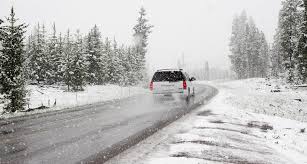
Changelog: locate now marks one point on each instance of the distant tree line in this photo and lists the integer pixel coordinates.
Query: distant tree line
(205, 72)
(201, 73)
(249, 49)
(73, 59)
(289, 50)
(211, 74)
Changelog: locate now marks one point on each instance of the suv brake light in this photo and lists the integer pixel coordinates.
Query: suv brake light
(151, 85)
(184, 84)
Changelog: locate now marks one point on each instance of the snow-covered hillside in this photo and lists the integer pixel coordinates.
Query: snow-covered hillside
(57, 98)
(235, 127)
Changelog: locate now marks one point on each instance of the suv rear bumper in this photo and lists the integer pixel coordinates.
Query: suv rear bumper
(181, 93)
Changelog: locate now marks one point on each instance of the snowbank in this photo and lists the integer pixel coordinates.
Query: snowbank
(57, 98)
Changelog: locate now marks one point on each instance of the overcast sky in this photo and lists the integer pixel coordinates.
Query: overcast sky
(198, 28)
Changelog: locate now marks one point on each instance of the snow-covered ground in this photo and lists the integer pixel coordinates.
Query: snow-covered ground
(237, 126)
(57, 98)
(262, 96)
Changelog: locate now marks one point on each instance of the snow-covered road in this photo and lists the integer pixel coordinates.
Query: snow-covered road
(225, 131)
(91, 133)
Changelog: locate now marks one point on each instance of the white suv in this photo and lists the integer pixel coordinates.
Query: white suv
(172, 81)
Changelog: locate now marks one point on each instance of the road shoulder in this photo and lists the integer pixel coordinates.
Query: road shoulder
(221, 133)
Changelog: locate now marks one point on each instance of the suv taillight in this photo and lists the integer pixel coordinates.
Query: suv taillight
(184, 84)
(151, 85)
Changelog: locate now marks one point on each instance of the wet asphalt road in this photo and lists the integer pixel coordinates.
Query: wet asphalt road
(92, 133)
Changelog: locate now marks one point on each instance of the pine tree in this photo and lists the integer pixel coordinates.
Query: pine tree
(78, 64)
(54, 57)
(254, 43)
(289, 19)
(129, 66)
(39, 59)
(94, 57)
(12, 62)
(68, 54)
(28, 51)
(122, 60)
(125, 66)
(276, 56)
(141, 33)
(108, 58)
(302, 47)
(249, 49)
(60, 60)
(263, 63)
(46, 56)
(34, 58)
(238, 46)
(116, 67)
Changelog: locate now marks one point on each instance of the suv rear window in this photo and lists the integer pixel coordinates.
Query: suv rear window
(172, 76)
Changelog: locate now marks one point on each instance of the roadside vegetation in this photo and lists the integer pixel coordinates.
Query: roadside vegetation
(72, 59)
(286, 58)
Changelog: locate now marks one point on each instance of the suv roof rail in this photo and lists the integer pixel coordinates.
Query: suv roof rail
(170, 69)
